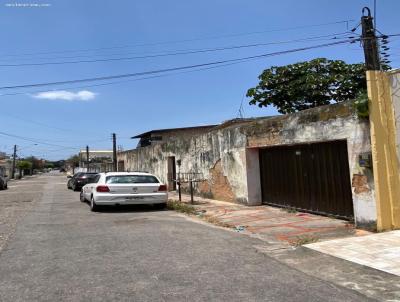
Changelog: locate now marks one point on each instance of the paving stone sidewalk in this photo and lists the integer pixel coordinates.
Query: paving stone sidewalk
(272, 224)
(380, 251)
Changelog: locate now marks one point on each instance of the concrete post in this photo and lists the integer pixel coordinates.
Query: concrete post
(383, 143)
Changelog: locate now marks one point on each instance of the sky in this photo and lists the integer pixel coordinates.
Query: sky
(54, 122)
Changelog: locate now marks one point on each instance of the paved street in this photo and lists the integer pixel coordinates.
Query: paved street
(60, 251)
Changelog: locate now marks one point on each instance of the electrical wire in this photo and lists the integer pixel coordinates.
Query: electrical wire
(185, 40)
(128, 75)
(177, 53)
(34, 140)
(119, 82)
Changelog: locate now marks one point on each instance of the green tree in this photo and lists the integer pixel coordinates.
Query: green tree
(37, 164)
(23, 165)
(73, 161)
(308, 84)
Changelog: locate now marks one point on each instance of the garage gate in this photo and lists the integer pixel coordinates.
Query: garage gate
(312, 177)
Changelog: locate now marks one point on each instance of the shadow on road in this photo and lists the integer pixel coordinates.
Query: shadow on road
(131, 208)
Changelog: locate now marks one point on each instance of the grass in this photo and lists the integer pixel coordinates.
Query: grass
(188, 209)
(289, 210)
(214, 220)
(301, 240)
(181, 207)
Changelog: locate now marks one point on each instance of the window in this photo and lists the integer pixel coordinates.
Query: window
(93, 178)
(131, 179)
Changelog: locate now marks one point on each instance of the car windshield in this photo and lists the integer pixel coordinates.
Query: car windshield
(131, 179)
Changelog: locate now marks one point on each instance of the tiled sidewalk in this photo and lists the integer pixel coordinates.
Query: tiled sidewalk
(380, 251)
(273, 224)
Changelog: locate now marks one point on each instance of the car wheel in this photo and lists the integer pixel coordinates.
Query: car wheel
(82, 197)
(93, 206)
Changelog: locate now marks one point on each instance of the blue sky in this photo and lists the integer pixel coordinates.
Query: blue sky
(73, 116)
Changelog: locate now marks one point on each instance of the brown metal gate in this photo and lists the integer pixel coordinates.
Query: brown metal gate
(313, 177)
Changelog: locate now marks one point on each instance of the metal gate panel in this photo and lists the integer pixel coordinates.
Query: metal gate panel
(312, 177)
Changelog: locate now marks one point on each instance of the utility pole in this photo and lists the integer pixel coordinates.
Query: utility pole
(13, 164)
(369, 42)
(87, 158)
(114, 138)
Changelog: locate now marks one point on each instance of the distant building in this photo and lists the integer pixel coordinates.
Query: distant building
(99, 161)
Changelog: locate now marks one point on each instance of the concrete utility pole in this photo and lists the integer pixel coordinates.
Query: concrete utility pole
(114, 138)
(87, 158)
(369, 41)
(383, 129)
(13, 164)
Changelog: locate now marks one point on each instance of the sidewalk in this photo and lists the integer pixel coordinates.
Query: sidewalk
(380, 251)
(272, 224)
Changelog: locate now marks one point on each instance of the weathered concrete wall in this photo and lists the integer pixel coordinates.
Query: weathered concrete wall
(326, 123)
(218, 155)
(227, 156)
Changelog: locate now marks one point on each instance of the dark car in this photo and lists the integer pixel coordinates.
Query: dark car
(3, 182)
(80, 179)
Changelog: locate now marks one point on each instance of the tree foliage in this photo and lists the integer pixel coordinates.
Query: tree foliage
(24, 165)
(37, 163)
(308, 84)
(74, 160)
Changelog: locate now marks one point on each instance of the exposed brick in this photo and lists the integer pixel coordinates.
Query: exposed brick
(360, 184)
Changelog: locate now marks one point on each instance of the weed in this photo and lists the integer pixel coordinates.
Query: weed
(290, 210)
(301, 240)
(190, 210)
(181, 207)
(214, 220)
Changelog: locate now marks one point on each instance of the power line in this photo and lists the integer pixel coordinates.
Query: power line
(185, 40)
(35, 122)
(34, 140)
(128, 75)
(177, 53)
(120, 82)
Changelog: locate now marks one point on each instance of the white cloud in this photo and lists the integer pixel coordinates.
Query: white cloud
(83, 95)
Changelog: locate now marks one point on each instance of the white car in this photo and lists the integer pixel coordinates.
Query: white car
(122, 188)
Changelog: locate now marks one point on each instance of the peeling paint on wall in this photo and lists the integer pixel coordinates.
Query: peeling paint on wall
(220, 154)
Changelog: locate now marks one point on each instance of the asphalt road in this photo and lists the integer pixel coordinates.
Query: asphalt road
(61, 251)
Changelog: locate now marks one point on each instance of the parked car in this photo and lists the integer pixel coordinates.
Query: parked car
(3, 182)
(80, 179)
(122, 188)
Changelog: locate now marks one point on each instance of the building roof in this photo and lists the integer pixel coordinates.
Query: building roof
(148, 133)
(96, 151)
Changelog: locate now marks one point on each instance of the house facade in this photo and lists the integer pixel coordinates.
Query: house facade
(317, 160)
